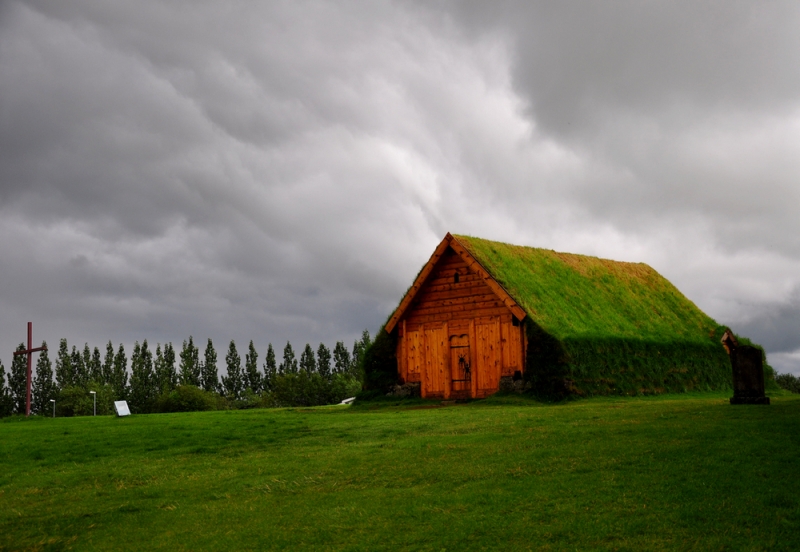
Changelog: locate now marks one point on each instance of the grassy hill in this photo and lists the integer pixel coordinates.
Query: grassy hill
(656, 473)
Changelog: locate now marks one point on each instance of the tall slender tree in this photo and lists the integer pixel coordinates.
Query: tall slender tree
(233, 382)
(81, 378)
(165, 375)
(210, 378)
(142, 392)
(341, 358)
(136, 389)
(270, 368)
(96, 367)
(119, 375)
(251, 373)
(170, 375)
(18, 380)
(6, 402)
(87, 361)
(44, 387)
(65, 374)
(147, 361)
(190, 364)
(324, 361)
(107, 370)
(289, 364)
(357, 361)
(158, 370)
(307, 360)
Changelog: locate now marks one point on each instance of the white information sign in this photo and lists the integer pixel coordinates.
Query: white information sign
(122, 408)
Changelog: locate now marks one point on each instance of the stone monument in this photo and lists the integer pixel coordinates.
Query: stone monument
(748, 371)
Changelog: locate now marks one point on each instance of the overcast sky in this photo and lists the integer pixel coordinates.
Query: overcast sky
(281, 170)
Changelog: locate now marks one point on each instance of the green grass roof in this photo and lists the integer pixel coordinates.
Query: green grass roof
(579, 296)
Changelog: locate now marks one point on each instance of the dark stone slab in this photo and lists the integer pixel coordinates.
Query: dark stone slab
(748, 376)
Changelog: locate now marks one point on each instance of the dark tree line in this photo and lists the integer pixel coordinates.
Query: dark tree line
(156, 375)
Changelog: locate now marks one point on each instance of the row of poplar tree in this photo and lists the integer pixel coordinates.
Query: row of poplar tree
(155, 374)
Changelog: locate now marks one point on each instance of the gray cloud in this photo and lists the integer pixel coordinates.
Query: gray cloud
(280, 171)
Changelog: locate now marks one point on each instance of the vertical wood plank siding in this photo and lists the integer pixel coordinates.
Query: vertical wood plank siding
(469, 309)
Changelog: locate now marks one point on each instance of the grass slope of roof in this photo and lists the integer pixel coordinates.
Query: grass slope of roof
(570, 295)
(601, 327)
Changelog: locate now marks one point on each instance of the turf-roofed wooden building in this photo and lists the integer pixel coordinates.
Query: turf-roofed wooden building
(480, 311)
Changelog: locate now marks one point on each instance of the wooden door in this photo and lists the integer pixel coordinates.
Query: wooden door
(460, 367)
(434, 363)
(489, 357)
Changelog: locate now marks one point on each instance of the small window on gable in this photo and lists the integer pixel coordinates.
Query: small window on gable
(514, 321)
(455, 278)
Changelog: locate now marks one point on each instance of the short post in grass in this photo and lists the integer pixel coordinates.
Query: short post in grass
(94, 396)
(54, 407)
(748, 371)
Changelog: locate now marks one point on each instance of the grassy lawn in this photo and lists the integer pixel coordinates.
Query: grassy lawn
(687, 472)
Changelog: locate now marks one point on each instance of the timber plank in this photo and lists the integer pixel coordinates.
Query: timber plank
(445, 357)
(457, 327)
(454, 294)
(402, 353)
(489, 357)
(459, 301)
(416, 321)
(463, 307)
(440, 281)
(474, 284)
(473, 358)
(451, 260)
(413, 355)
(448, 272)
(433, 364)
(505, 351)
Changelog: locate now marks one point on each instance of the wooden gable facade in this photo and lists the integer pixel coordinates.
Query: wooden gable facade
(458, 330)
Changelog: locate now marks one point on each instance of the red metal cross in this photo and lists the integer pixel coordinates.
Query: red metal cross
(29, 352)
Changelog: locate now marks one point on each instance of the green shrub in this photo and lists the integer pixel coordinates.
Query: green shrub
(370, 395)
(186, 398)
(304, 389)
(78, 401)
(380, 362)
(790, 382)
(248, 399)
(73, 401)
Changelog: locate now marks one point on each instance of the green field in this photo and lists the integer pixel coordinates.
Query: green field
(687, 472)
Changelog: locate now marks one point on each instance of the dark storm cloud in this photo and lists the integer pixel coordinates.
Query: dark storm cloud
(575, 57)
(281, 170)
(201, 169)
(680, 107)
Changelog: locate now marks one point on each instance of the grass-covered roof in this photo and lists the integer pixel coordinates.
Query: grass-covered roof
(577, 296)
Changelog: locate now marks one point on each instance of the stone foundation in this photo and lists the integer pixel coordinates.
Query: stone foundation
(509, 384)
(410, 390)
